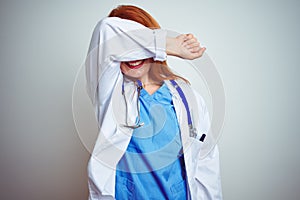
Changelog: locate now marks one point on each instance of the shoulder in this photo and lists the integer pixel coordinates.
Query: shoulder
(191, 93)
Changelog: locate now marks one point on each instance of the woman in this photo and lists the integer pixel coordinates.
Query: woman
(152, 124)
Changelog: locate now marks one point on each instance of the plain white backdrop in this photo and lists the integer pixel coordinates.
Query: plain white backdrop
(254, 44)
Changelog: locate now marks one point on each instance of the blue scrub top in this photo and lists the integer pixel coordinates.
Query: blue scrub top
(153, 165)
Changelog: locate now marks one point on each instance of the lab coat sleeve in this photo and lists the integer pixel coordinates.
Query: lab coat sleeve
(208, 168)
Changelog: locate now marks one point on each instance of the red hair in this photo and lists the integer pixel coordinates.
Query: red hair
(160, 72)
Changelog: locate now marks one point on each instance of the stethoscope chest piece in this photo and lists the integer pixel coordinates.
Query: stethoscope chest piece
(193, 131)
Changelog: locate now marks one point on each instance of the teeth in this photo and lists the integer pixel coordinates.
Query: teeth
(135, 63)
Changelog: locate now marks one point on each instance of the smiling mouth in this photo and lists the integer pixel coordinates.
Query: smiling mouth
(135, 64)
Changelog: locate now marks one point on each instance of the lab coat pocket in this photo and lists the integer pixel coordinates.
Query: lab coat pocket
(177, 191)
(125, 189)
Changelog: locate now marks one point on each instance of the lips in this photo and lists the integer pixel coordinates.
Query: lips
(135, 64)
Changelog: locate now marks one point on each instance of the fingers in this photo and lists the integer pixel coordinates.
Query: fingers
(190, 41)
(189, 46)
(193, 46)
(182, 37)
(186, 39)
(195, 49)
(189, 36)
(199, 53)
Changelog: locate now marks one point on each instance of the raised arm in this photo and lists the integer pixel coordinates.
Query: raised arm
(144, 42)
(115, 40)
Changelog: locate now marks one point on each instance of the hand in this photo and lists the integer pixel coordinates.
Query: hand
(184, 46)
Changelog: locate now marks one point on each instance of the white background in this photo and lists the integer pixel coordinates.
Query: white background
(255, 47)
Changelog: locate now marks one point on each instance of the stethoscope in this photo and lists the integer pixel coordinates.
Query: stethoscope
(138, 122)
(192, 130)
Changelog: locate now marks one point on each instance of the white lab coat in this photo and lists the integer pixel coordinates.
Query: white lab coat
(115, 40)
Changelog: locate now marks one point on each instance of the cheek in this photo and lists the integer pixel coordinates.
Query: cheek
(129, 72)
(124, 68)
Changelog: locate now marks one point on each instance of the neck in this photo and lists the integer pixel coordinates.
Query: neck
(151, 86)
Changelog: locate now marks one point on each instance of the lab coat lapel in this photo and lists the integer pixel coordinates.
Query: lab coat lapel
(184, 130)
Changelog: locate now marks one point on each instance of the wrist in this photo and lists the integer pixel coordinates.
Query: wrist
(171, 47)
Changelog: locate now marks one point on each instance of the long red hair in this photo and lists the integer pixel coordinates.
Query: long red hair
(161, 71)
